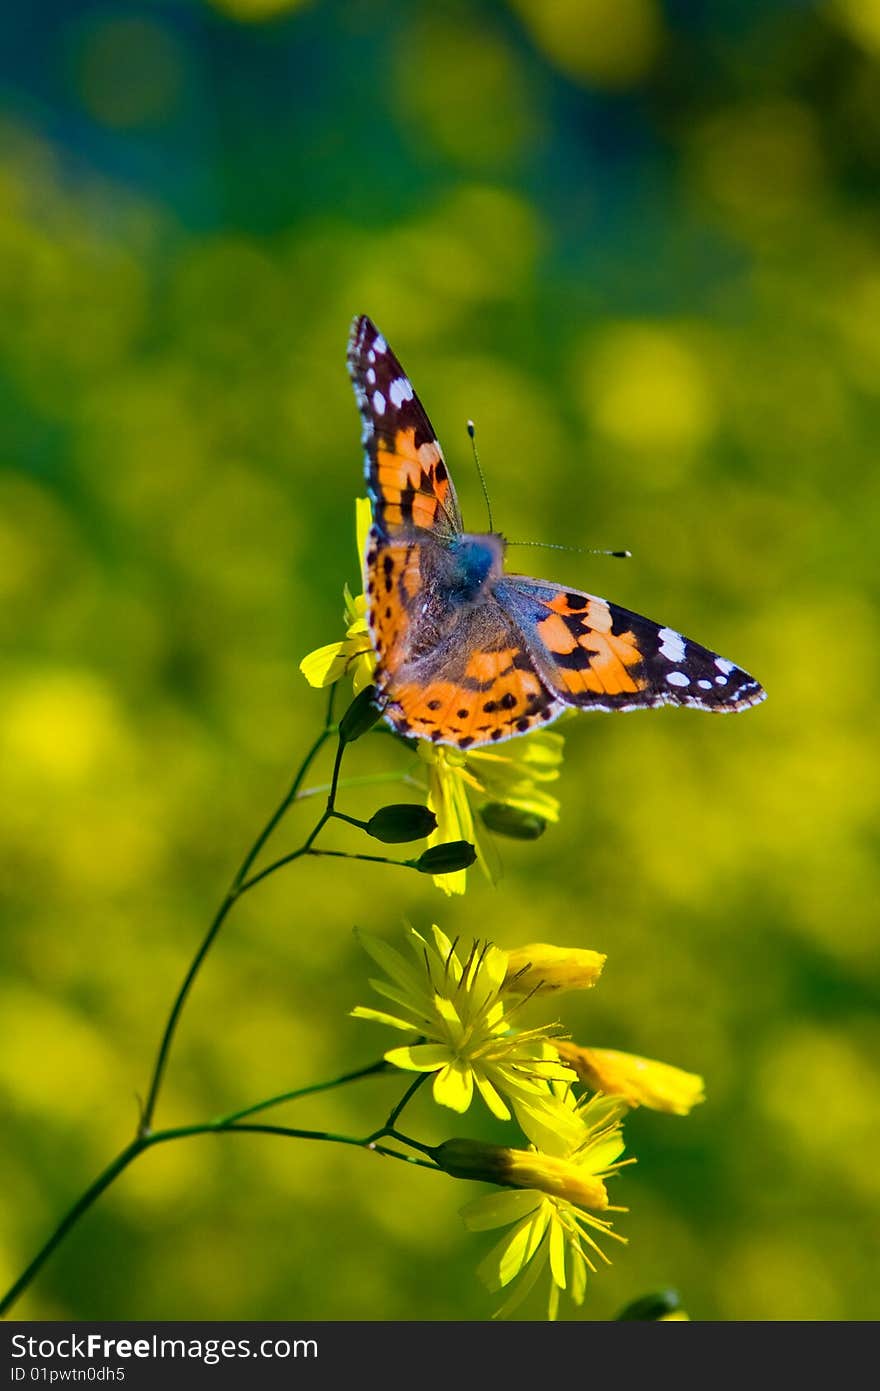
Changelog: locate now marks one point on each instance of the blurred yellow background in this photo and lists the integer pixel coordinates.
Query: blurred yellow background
(636, 242)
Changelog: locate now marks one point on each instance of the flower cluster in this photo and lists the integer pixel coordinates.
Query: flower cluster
(463, 1010)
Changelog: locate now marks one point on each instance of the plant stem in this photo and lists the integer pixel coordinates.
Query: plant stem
(235, 1116)
(146, 1137)
(361, 780)
(235, 890)
(82, 1205)
(221, 1127)
(371, 859)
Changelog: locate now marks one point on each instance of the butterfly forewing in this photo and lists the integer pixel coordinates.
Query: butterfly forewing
(407, 478)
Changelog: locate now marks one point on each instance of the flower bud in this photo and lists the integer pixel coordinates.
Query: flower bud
(475, 1159)
(511, 821)
(446, 858)
(663, 1305)
(559, 1178)
(400, 822)
(637, 1081)
(541, 969)
(360, 716)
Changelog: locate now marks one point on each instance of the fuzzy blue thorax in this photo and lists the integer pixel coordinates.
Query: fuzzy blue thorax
(472, 560)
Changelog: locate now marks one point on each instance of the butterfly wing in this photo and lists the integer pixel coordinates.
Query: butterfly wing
(415, 517)
(595, 655)
(464, 679)
(407, 478)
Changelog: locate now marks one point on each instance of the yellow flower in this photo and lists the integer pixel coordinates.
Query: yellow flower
(507, 775)
(560, 1185)
(636, 1081)
(354, 655)
(541, 969)
(462, 1022)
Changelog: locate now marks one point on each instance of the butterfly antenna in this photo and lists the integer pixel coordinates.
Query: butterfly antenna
(473, 434)
(579, 550)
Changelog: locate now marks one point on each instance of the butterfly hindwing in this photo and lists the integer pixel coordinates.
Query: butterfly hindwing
(474, 682)
(407, 478)
(596, 655)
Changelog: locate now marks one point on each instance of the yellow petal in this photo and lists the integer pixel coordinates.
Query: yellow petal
(505, 1261)
(557, 1254)
(363, 670)
(578, 1285)
(326, 664)
(454, 1087)
(491, 1097)
(378, 1016)
(421, 1057)
(638, 1081)
(499, 1209)
(549, 1123)
(363, 520)
(392, 961)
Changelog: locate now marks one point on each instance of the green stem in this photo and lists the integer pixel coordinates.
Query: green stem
(388, 1127)
(429, 1150)
(146, 1138)
(235, 1116)
(161, 1137)
(361, 780)
(372, 859)
(235, 890)
(350, 820)
(82, 1205)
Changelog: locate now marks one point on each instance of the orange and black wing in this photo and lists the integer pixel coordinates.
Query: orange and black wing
(467, 681)
(595, 655)
(407, 478)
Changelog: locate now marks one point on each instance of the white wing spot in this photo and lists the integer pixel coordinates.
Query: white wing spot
(371, 356)
(705, 685)
(379, 345)
(401, 391)
(671, 645)
(678, 678)
(371, 375)
(378, 403)
(724, 666)
(720, 680)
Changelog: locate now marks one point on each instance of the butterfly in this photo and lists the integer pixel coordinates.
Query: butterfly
(467, 654)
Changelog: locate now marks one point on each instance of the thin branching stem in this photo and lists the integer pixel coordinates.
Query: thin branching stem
(227, 1126)
(235, 1123)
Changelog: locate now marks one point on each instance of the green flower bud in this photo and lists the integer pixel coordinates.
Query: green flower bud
(474, 1159)
(652, 1307)
(512, 1168)
(360, 716)
(446, 859)
(400, 822)
(512, 821)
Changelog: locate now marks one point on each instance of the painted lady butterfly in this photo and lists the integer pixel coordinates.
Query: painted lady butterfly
(466, 653)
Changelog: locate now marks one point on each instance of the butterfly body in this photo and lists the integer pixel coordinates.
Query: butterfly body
(467, 653)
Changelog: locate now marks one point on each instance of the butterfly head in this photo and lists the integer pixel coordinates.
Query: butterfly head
(474, 561)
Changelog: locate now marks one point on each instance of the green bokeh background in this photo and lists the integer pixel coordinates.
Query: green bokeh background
(637, 241)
